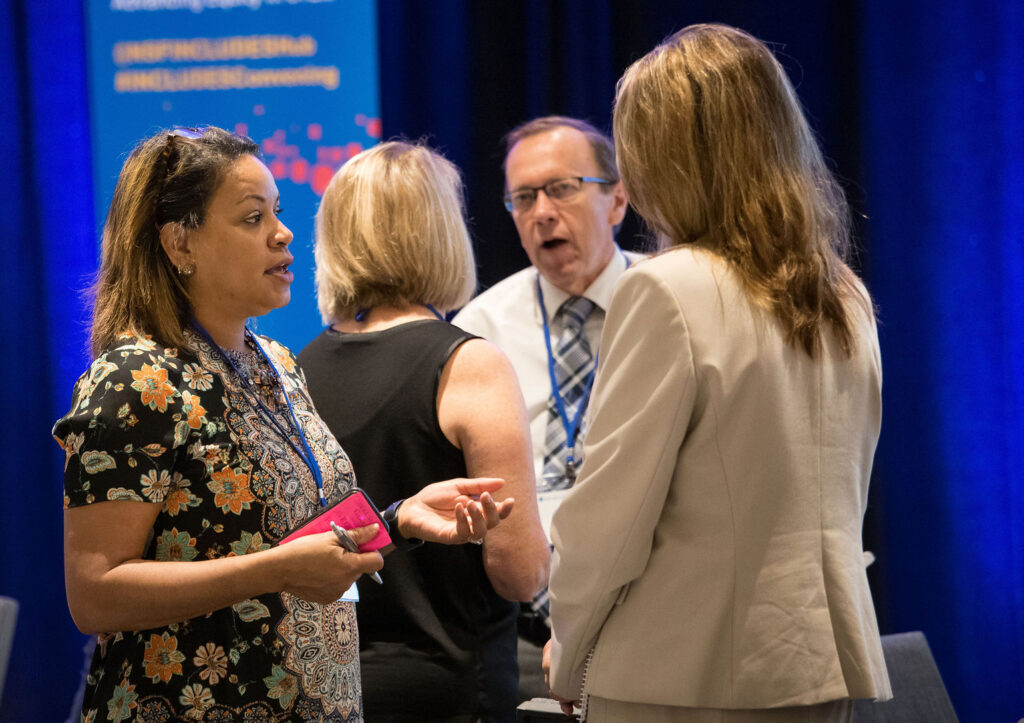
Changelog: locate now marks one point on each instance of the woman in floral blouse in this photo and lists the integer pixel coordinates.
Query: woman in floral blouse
(192, 448)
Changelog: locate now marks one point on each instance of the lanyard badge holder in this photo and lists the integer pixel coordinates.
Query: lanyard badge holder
(573, 461)
(301, 447)
(571, 426)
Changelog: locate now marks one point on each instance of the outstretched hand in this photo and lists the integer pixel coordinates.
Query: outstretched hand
(454, 511)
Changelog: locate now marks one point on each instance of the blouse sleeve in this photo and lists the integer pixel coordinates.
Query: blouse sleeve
(131, 413)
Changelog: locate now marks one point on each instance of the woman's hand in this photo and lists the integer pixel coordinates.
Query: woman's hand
(545, 664)
(110, 587)
(454, 511)
(318, 569)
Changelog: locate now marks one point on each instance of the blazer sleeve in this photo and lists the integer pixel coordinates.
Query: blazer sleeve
(604, 530)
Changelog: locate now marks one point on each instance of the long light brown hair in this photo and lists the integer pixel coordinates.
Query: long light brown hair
(715, 152)
(169, 178)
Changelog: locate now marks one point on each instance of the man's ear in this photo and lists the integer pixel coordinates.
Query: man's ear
(174, 240)
(620, 202)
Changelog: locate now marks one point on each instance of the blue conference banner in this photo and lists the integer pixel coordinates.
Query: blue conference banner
(297, 76)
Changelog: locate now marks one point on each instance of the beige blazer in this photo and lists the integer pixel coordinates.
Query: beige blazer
(710, 554)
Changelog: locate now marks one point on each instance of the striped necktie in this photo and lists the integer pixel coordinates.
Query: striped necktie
(573, 365)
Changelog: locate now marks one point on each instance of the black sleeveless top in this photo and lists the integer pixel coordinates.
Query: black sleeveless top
(436, 642)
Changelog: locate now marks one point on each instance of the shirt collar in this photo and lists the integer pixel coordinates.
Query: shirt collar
(600, 291)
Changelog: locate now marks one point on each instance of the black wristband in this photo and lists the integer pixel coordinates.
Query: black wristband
(390, 516)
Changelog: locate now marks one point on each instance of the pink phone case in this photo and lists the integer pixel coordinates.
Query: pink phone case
(353, 510)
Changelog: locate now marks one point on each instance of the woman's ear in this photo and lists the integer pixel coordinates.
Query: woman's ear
(174, 240)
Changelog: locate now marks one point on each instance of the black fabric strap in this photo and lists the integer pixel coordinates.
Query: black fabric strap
(390, 516)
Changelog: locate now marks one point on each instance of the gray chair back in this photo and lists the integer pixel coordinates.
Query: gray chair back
(8, 616)
(918, 693)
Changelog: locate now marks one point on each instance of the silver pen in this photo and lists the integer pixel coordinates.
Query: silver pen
(349, 544)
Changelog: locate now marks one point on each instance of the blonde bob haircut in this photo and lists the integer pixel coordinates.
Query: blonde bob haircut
(715, 152)
(390, 232)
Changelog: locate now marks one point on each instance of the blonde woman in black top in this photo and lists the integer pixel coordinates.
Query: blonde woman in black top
(413, 399)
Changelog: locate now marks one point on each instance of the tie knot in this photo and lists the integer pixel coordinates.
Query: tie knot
(574, 311)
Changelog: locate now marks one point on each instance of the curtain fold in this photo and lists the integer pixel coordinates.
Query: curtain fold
(944, 153)
(50, 253)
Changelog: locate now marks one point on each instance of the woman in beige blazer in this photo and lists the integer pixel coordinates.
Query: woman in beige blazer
(708, 564)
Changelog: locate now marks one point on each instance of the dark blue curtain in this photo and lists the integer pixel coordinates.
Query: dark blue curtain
(462, 74)
(944, 135)
(921, 108)
(50, 252)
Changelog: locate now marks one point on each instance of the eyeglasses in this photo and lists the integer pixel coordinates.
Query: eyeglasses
(557, 189)
(189, 133)
(183, 132)
(165, 155)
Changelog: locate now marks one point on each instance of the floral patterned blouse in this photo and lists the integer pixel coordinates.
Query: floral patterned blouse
(178, 429)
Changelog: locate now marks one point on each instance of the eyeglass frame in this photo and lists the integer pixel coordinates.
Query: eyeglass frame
(179, 132)
(510, 207)
(164, 160)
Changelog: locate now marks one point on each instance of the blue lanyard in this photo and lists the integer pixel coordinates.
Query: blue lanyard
(571, 426)
(305, 452)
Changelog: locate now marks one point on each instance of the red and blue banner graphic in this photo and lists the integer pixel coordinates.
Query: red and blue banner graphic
(300, 77)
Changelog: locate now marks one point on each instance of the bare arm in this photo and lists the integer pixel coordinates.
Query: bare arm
(481, 412)
(111, 588)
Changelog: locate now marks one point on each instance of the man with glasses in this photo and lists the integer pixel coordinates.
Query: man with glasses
(563, 192)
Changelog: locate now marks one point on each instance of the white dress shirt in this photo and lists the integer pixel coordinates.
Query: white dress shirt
(508, 315)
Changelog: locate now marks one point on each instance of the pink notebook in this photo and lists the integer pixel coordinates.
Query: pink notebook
(353, 510)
